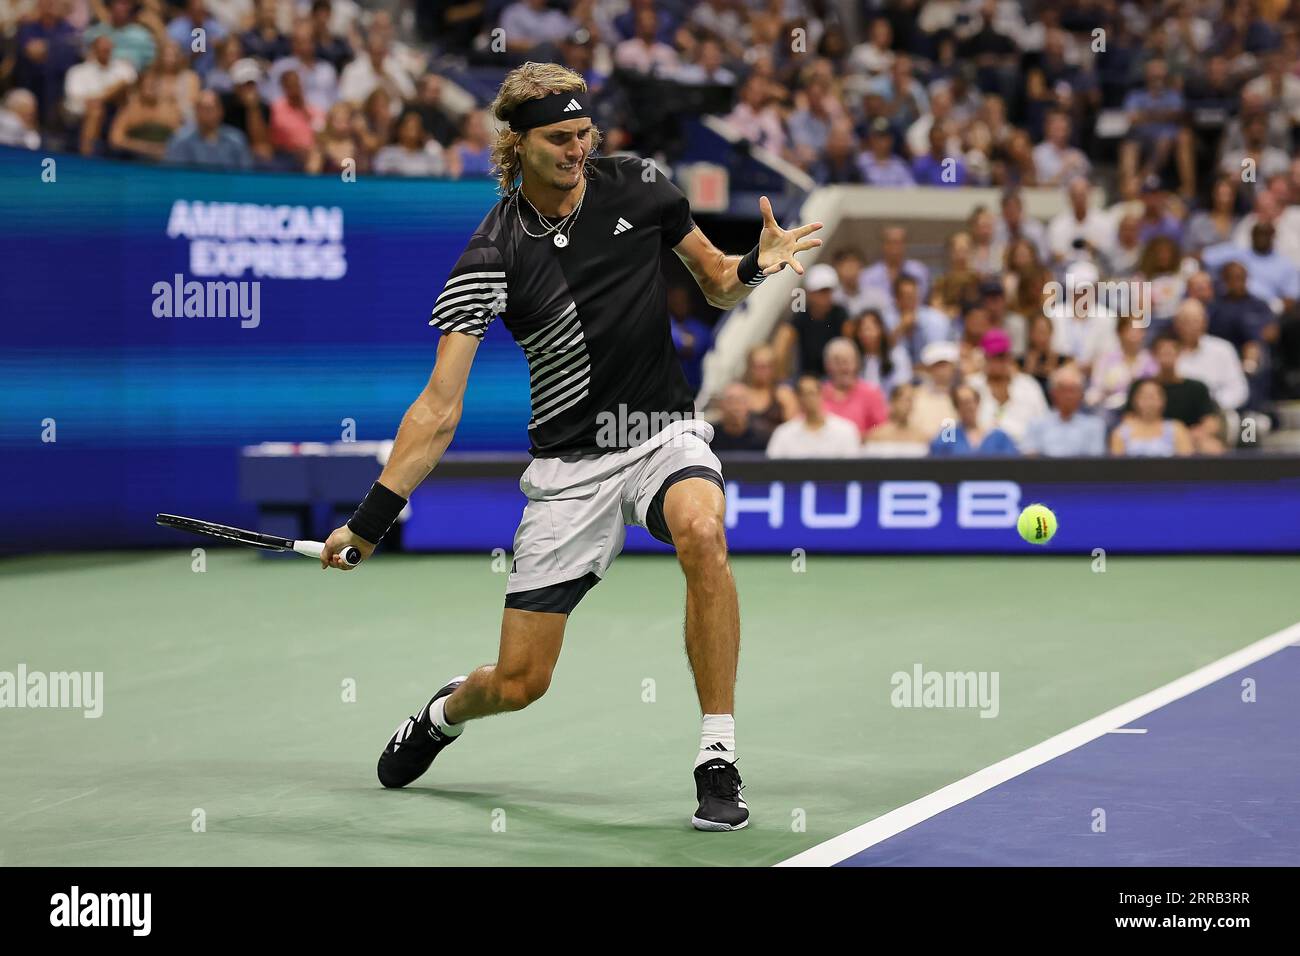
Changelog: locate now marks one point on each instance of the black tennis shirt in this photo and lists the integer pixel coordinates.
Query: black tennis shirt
(592, 318)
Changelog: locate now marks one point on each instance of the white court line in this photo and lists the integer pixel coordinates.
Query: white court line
(845, 845)
(1127, 730)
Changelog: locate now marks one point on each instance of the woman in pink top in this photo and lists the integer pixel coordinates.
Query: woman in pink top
(294, 121)
(847, 395)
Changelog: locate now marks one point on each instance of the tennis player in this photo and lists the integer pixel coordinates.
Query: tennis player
(569, 259)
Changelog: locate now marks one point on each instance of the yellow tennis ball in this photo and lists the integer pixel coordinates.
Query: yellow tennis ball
(1037, 524)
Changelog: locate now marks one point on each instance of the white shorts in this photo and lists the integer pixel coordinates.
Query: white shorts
(578, 509)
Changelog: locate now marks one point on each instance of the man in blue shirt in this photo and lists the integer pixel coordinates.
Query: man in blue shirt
(913, 324)
(965, 437)
(1238, 316)
(837, 163)
(879, 165)
(936, 168)
(691, 337)
(1155, 114)
(893, 263)
(1250, 325)
(1156, 219)
(207, 141)
(1272, 277)
(181, 29)
(1065, 431)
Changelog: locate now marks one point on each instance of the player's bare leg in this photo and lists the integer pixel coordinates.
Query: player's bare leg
(530, 646)
(694, 511)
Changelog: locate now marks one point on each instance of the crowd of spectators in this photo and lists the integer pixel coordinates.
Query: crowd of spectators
(1183, 114)
(942, 93)
(318, 86)
(1014, 355)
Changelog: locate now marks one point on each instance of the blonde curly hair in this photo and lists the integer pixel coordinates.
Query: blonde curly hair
(528, 82)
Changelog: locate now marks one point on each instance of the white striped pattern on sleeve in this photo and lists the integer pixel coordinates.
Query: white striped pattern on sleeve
(470, 300)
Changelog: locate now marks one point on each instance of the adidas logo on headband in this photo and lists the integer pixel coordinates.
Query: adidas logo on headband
(544, 110)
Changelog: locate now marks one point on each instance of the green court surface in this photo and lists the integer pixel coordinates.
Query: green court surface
(224, 692)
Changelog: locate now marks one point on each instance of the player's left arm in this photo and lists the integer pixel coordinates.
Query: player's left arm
(719, 275)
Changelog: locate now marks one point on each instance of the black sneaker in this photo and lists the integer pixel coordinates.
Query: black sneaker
(717, 787)
(413, 747)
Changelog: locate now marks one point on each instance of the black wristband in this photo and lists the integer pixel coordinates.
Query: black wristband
(748, 271)
(376, 513)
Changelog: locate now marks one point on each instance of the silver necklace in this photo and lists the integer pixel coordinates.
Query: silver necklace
(559, 229)
(566, 224)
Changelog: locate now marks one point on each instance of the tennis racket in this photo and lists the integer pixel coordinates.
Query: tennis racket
(253, 539)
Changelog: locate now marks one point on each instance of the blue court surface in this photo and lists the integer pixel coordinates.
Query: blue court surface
(1208, 777)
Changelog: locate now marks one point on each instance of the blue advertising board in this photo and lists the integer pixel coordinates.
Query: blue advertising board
(919, 516)
(155, 320)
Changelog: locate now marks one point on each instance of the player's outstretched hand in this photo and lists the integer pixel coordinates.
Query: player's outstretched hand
(777, 246)
(339, 539)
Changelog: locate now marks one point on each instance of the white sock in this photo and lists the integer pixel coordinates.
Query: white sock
(717, 738)
(439, 719)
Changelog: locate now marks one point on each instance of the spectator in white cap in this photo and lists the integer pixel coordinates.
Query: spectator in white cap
(1065, 431)
(1083, 327)
(815, 433)
(802, 338)
(932, 400)
(244, 108)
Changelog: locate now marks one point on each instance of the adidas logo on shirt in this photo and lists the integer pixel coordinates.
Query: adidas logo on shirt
(573, 105)
(623, 226)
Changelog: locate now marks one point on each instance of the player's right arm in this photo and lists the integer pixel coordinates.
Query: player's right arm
(423, 436)
(429, 424)
(475, 293)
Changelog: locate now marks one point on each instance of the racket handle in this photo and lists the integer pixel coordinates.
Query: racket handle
(350, 556)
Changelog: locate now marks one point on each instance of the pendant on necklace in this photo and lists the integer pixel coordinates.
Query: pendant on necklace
(560, 241)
